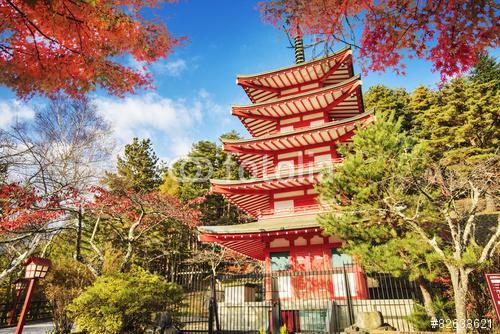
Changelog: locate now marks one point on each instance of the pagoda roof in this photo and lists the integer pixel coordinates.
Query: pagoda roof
(249, 239)
(341, 100)
(324, 71)
(256, 154)
(254, 195)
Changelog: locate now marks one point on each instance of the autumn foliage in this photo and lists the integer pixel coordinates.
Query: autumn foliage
(22, 207)
(144, 209)
(451, 34)
(74, 46)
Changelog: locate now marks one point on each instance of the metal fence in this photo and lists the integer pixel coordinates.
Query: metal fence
(311, 301)
(39, 310)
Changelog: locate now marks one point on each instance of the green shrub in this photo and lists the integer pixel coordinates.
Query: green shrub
(124, 302)
(66, 280)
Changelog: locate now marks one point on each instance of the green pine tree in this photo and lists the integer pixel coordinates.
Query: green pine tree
(388, 101)
(397, 199)
(206, 161)
(138, 169)
(462, 123)
(486, 70)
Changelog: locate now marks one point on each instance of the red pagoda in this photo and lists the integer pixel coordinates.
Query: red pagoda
(298, 117)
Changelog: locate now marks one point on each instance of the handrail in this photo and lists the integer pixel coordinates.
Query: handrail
(288, 168)
(304, 209)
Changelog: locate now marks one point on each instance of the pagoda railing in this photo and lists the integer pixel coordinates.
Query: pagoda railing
(296, 210)
(303, 167)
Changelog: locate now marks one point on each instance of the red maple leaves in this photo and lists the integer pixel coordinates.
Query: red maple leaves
(451, 34)
(74, 46)
(146, 208)
(22, 207)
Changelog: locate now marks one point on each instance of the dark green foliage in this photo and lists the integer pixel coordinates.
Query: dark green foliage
(124, 303)
(422, 322)
(206, 161)
(387, 101)
(462, 123)
(487, 70)
(409, 202)
(357, 189)
(137, 169)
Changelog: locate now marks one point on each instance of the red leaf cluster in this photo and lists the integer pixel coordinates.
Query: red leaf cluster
(22, 207)
(74, 46)
(451, 34)
(155, 208)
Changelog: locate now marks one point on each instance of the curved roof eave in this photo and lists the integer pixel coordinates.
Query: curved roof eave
(250, 76)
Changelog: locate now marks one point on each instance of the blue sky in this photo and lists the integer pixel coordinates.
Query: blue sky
(195, 85)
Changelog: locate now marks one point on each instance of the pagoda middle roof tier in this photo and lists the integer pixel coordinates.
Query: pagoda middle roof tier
(293, 79)
(254, 195)
(341, 100)
(256, 154)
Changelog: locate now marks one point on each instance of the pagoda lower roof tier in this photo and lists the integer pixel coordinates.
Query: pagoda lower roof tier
(250, 239)
(257, 154)
(254, 196)
(340, 101)
(298, 78)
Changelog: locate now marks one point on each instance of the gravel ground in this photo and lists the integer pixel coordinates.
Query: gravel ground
(33, 328)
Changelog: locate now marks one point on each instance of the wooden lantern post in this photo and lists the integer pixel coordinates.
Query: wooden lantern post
(36, 268)
(19, 285)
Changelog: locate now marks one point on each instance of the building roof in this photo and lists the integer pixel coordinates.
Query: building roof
(257, 154)
(341, 100)
(269, 224)
(254, 196)
(324, 71)
(249, 239)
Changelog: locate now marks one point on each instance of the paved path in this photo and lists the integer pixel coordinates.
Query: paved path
(34, 328)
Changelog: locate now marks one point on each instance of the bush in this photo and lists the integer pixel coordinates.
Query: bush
(124, 302)
(66, 280)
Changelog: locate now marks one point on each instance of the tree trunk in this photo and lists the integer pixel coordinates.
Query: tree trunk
(426, 295)
(125, 265)
(78, 243)
(460, 281)
(490, 203)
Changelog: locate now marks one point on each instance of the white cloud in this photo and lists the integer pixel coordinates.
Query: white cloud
(168, 122)
(12, 111)
(209, 104)
(172, 68)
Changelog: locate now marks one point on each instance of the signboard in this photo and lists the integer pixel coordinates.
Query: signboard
(494, 286)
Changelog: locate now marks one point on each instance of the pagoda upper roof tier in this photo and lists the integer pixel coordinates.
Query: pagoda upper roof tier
(298, 78)
(256, 154)
(341, 100)
(254, 195)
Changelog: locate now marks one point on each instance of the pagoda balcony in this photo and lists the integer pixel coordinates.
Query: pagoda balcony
(294, 211)
(304, 168)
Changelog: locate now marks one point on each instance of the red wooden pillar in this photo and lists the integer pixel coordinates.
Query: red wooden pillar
(14, 307)
(27, 300)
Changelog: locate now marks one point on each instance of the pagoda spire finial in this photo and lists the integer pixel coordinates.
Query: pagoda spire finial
(299, 50)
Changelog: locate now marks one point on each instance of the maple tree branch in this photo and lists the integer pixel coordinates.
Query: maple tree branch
(25, 17)
(346, 42)
(36, 44)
